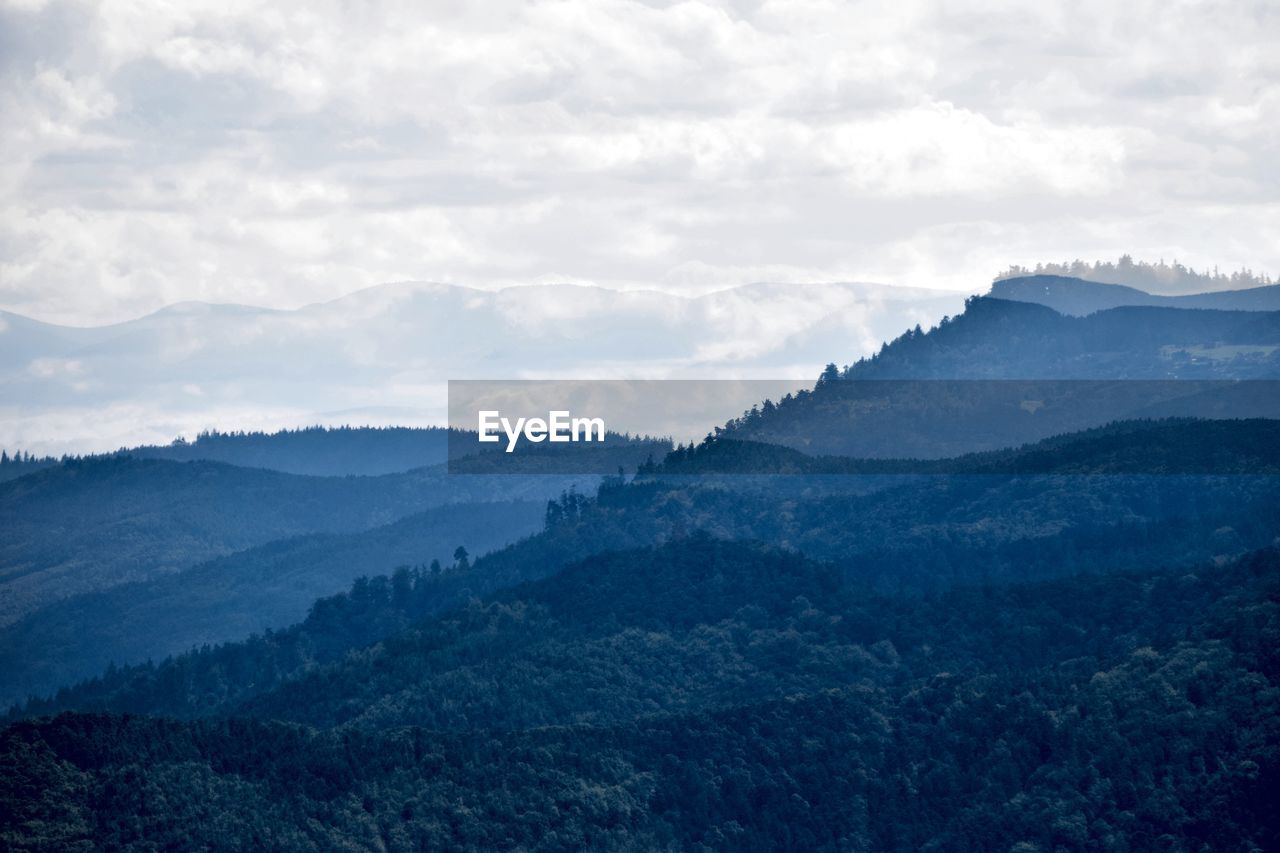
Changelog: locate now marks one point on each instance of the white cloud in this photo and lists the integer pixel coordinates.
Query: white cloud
(226, 151)
(50, 368)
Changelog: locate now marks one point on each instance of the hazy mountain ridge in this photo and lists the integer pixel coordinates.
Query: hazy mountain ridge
(267, 587)
(86, 525)
(917, 534)
(380, 356)
(144, 553)
(315, 451)
(312, 451)
(1079, 297)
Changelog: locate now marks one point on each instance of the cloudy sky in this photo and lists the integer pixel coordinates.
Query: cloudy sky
(284, 153)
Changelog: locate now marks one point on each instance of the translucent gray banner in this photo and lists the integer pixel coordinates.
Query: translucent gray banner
(857, 426)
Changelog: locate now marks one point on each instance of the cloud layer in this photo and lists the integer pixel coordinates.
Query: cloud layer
(289, 153)
(383, 355)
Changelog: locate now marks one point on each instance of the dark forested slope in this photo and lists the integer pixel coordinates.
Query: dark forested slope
(701, 623)
(1134, 712)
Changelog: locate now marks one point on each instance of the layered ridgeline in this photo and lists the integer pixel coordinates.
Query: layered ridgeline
(1079, 654)
(128, 557)
(912, 536)
(318, 451)
(1078, 298)
(87, 525)
(228, 598)
(1006, 373)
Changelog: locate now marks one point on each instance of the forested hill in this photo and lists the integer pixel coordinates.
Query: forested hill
(338, 451)
(316, 451)
(1166, 446)
(1160, 277)
(87, 525)
(331, 451)
(90, 524)
(125, 557)
(552, 646)
(1074, 296)
(1000, 339)
(22, 463)
(1074, 715)
(1007, 373)
(229, 598)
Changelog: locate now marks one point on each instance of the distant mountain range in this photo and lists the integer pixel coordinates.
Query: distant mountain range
(381, 356)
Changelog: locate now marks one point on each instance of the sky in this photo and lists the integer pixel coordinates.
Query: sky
(287, 153)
